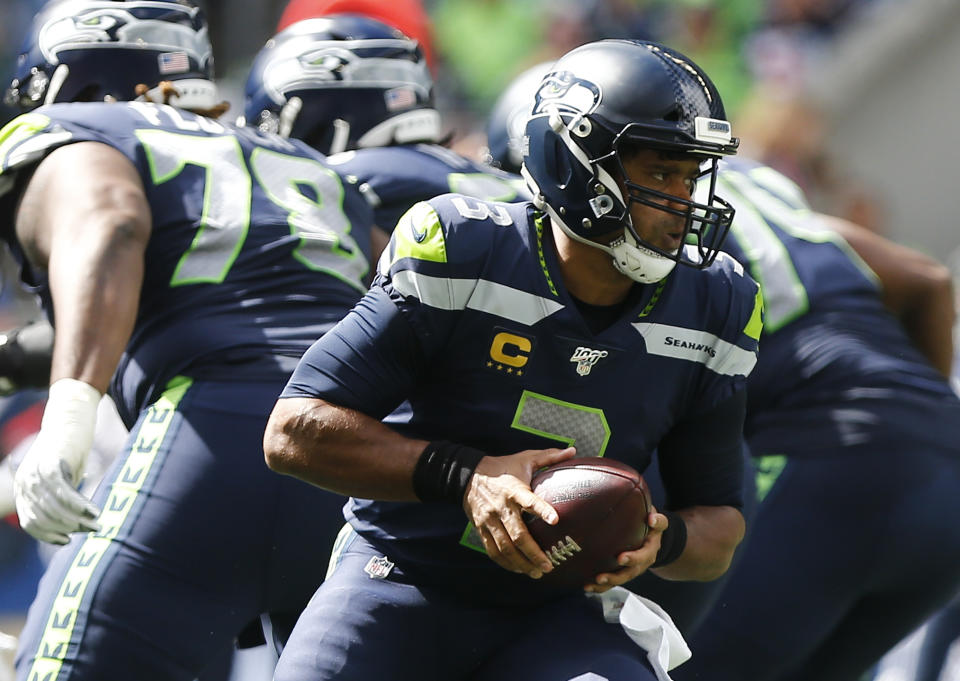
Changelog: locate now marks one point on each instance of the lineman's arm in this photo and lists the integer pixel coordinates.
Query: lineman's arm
(84, 219)
(916, 288)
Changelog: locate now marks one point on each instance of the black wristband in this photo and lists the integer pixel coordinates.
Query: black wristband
(673, 540)
(443, 471)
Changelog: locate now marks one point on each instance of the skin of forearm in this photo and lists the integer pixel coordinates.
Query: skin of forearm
(341, 450)
(713, 533)
(929, 321)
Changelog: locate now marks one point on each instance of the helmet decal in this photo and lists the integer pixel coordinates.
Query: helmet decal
(566, 93)
(342, 82)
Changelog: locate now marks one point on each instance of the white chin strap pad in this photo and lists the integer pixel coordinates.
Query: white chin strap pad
(419, 125)
(638, 263)
(194, 94)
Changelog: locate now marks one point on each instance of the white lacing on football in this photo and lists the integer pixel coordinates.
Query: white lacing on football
(562, 550)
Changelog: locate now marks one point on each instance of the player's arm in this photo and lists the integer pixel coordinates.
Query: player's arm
(694, 537)
(326, 430)
(916, 288)
(83, 218)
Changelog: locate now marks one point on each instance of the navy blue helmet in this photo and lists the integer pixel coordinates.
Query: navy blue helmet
(607, 95)
(342, 82)
(96, 50)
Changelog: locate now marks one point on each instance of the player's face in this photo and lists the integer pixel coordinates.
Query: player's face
(668, 174)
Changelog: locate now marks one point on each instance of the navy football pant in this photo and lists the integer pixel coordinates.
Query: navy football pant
(199, 537)
(357, 628)
(849, 552)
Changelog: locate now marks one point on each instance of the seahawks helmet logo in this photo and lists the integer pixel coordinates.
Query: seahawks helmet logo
(326, 63)
(566, 93)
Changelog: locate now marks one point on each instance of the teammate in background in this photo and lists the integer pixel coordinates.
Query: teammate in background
(348, 82)
(408, 16)
(857, 437)
(194, 263)
(509, 328)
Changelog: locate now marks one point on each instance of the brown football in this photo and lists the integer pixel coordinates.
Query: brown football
(602, 506)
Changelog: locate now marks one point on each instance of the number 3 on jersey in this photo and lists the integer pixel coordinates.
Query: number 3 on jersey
(321, 224)
(572, 424)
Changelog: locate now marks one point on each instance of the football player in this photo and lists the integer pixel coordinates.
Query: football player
(187, 265)
(361, 91)
(687, 602)
(578, 318)
(856, 433)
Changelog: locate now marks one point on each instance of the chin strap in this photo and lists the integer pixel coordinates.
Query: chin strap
(193, 94)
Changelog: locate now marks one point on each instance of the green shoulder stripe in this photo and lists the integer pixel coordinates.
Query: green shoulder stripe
(419, 235)
(16, 131)
(755, 324)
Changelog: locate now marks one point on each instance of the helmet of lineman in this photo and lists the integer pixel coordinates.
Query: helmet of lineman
(97, 50)
(342, 82)
(605, 98)
(508, 118)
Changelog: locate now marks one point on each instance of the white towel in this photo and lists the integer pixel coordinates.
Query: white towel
(8, 646)
(649, 626)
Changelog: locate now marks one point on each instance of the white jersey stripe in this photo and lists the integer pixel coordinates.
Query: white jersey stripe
(476, 294)
(718, 355)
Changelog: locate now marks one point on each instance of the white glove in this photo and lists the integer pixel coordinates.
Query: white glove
(48, 503)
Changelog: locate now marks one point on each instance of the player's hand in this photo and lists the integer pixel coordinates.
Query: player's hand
(48, 503)
(636, 562)
(498, 494)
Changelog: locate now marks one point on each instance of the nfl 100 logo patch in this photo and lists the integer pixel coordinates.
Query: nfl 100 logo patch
(586, 358)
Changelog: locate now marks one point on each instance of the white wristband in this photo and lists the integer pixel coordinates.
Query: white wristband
(70, 417)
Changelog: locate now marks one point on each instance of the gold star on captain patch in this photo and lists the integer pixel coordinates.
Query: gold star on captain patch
(489, 364)
(499, 367)
(509, 370)
(519, 372)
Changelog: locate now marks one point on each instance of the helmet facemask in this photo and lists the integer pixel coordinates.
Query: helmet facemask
(613, 95)
(705, 225)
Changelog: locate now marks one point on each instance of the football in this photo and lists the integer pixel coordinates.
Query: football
(602, 506)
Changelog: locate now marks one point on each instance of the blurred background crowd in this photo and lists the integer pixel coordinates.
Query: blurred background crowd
(853, 99)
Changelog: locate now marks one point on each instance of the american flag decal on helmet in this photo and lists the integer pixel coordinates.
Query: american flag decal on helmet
(173, 62)
(400, 98)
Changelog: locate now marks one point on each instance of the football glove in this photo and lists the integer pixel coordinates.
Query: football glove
(48, 503)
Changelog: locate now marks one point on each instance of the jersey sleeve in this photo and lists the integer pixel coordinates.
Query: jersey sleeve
(374, 357)
(733, 350)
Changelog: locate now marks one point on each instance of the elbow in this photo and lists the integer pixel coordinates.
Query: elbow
(728, 535)
(283, 449)
(277, 449)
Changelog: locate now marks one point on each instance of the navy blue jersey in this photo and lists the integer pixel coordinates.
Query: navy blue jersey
(228, 206)
(500, 359)
(395, 178)
(831, 355)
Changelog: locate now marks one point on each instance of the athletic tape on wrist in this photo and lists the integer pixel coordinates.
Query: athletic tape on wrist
(70, 417)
